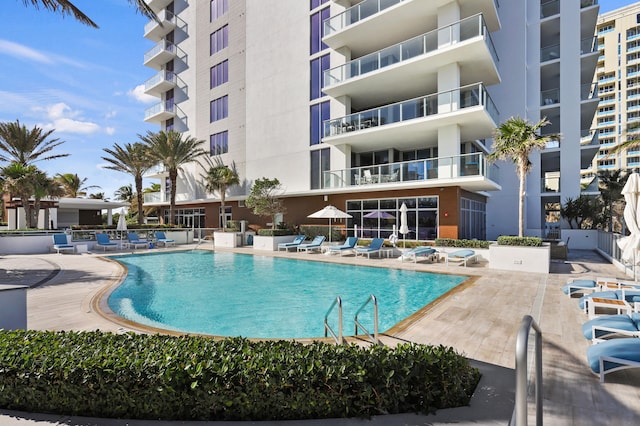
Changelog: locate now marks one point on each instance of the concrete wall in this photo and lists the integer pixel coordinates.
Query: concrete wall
(13, 307)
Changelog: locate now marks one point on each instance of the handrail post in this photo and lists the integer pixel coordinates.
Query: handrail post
(519, 417)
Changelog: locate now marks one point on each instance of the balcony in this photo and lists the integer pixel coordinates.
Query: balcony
(417, 120)
(359, 26)
(550, 97)
(589, 147)
(550, 8)
(550, 53)
(157, 30)
(550, 184)
(400, 69)
(153, 197)
(470, 171)
(160, 54)
(162, 198)
(160, 83)
(160, 112)
(157, 5)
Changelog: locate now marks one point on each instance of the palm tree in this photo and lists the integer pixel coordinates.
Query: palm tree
(173, 151)
(21, 145)
(219, 178)
(72, 185)
(43, 186)
(124, 193)
(17, 179)
(67, 8)
(611, 183)
(132, 159)
(516, 138)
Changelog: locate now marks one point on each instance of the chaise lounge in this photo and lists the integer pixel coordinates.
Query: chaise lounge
(462, 256)
(348, 246)
(134, 241)
(423, 251)
(316, 244)
(60, 243)
(299, 239)
(161, 238)
(374, 247)
(104, 242)
(614, 355)
(606, 326)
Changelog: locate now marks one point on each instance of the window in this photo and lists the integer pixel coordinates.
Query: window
(318, 66)
(320, 163)
(472, 219)
(317, 3)
(219, 40)
(319, 113)
(316, 30)
(218, 8)
(219, 74)
(219, 143)
(219, 108)
(168, 125)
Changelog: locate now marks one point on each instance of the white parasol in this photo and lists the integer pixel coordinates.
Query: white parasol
(631, 243)
(404, 229)
(330, 212)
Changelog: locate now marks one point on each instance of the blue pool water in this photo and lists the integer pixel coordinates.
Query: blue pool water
(229, 294)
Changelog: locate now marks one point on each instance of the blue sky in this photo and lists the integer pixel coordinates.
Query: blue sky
(85, 83)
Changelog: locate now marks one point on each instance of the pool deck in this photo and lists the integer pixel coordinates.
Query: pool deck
(480, 321)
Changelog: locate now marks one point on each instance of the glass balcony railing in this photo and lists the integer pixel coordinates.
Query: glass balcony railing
(163, 16)
(153, 197)
(550, 8)
(443, 102)
(356, 14)
(161, 46)
(168, 76)
(165, 106)
(550, 97)
(465, 29)
(550, 184)
(588, 3)
(588, 137)
(589, 91)
(549, 53)
(431, 169)
(588, 45)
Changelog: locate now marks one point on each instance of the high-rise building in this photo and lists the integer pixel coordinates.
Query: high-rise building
(618, 78)
(368, 105)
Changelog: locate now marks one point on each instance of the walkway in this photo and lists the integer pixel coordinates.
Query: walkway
(480, 321)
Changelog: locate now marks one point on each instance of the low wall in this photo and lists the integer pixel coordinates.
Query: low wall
(270, 243)
(521, 259)
(13, 307)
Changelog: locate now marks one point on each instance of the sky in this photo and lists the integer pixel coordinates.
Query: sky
(85, 83)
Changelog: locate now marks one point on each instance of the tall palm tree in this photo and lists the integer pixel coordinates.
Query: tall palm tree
(125, 193)
(218, 178)
(43, 186)
(132, 159)
(173, 151)
(73, 185)
(516, 139)
(67, 8)
(611, 183)
(17, 179)
(21, 145)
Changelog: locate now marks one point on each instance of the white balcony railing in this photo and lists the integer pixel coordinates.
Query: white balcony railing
(162, 107)
(356, 14)
(161, 46)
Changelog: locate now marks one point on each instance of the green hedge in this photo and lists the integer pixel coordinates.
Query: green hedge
(312, 231)
(196, 378)
(507, 240)
(452, 242)
(268, 232)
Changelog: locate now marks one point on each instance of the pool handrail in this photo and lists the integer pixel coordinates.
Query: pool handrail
(374, 337)
(327, 328)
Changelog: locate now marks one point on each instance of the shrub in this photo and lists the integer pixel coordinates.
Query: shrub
(338, 232)
(452, 242)
(508, 240)
(268, 232)
(139, 376)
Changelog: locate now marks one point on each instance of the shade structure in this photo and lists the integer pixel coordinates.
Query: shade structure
(404, 228)
(330, 212)
(379, 214)
(631, 243)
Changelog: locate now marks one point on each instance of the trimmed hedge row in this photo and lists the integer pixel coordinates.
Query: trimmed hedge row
(452, 242)
(196, 378)
(508, 240)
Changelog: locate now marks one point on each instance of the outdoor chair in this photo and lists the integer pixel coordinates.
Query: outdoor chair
(60, 243)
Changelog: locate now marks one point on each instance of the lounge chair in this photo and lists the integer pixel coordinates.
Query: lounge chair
(462, 256)
(348, 246)
(606, 326)
(104, 242)
(60, 243)
(423, 251)
(299, 239)
(575, 286)
(316, 244)
(614, 355)
(161, 238)
(134, 241)
(374, 247)
(623, 299)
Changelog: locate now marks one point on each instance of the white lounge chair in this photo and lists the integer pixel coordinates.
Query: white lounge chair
(60, 243)
(104, 242)
(462, 256)
(316, 244)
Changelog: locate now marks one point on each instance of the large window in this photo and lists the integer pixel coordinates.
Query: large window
(219, 40)
(473, 219)
(320, 163)
(318, 66)
(189, 218)
(218, 8)
(317, 3)
(219, 74)
(219, 108)
(316, 30)
(319, 113)
(219, 143)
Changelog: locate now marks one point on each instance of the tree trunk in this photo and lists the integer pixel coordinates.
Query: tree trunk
(173, 177)
(224, 213)
(521, 204)
(139, 195)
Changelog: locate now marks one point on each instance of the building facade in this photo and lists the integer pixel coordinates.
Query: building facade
(368, 105)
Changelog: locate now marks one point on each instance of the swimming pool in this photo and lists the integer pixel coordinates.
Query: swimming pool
(228, 294)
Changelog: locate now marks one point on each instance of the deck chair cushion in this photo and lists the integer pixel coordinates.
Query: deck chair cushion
(618, 322)
(627, 349)
(578, 286)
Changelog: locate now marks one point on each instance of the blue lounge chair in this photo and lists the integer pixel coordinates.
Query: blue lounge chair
(462, 256)
(316, 244)
(614, 355)
(605, 326)
(299, 239)
(60, 243)
(162, 239)
(348, 246)
(631, 297)
(134, 241)
(579, 286)
(374, 247)
(423, 251)
(104, 242)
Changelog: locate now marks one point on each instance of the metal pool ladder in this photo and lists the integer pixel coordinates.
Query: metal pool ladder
(327, 328)
(374, 336)
(519, 417)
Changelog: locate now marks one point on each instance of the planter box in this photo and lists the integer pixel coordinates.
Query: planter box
(270, 243)
(227, 239)
(522, 259)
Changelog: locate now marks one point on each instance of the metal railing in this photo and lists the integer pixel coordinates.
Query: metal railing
(355, 14)
(520, 411)
(327, 328)
(374, 337)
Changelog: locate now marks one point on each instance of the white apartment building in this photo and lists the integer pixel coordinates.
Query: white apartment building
(618, 78)
(370, 104)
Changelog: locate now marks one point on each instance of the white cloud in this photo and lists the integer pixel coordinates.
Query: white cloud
(23, 52)
(111, 114)
(138, 94)
(110, 130)
(64, 119)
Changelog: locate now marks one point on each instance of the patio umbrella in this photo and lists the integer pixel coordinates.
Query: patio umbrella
(378, 214)
(330, 212)
(631, 243)
(404, 229)
(122, 224)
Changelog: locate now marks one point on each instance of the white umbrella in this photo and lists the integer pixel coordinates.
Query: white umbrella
(631, 243)
(330, 212)
(404, 229)
(122, 224)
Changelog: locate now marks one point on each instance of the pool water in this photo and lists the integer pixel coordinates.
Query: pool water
(228, 294)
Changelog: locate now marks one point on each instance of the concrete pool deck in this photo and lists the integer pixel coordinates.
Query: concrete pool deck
(480, 321)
